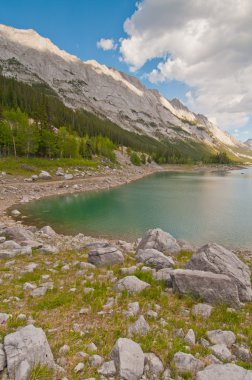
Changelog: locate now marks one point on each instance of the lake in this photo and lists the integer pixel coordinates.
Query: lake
(198, 207)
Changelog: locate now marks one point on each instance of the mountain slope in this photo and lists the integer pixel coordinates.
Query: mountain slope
(26, 56)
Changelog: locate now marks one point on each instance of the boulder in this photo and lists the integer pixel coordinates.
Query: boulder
(48, 249)
(217, 259)
(153, 365)
(132, 284)
(47, 230)
(105, 256)
(25, 349)
(68, 176)
(10, 248)
(140, 327)
(154, 258)
(222, 352)
(210, 287)
(108, 369)
(18, 233)
(164, 275)
(221, 337)
(224, 372)
(2, 358)
(44, 175)
(15, 213)
(128, 358)
(190, 337)
(186, 363)
(159, 240)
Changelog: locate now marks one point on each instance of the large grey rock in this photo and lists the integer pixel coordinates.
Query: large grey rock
(44, 175)
(27, 344)
(132, 284)
(221, 337)
(2, 357)
(186, 363)
(128, 358)
(154, 258)
(217, 259)
(164, 275)
(104, 256)
(153, 365)
(224, 372)
(222, 352)
(159, 240)
(10, 248)
(47, 230)
(140, 327)
(107, 369)
(210, 287)
(18, 233)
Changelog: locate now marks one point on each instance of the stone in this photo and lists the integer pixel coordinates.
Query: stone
(187, 363)
(152, 314)
(105, 256)
(30, 267)
(15, 213)
(128, 358)
(44, 175)
(132, 284)
(29, 286)
(221, 351)
(64, 350)
(95, 360)
(221, 337)
(153, 365)
(154, 259)
(18, 233)
(21, 317)
(202, 310)
(140, 327)
(133, 309)
(159, 240)
(27, 344)
(2, 357)
(190, 337)
(48, 249)
(107, 369)
(217, 259)
(79, 367)
(23, 370)
(224, 372)
(91, 347)
(129, 270)
(59, 172)
(47, 230)
(68, 176)
(39, 292)
(242, 353)
(165, 276)
(4, 318)
(210, 287)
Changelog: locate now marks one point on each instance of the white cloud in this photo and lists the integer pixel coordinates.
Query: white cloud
(205, 44)
(106, 44)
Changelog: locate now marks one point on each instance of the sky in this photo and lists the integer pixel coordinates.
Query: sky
(195, 50)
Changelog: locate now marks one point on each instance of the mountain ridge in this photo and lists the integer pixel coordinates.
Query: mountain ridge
(31, 58)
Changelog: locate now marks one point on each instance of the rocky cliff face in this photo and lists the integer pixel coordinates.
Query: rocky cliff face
(28, 57)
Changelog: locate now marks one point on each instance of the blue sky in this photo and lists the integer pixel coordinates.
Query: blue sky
(77, 25)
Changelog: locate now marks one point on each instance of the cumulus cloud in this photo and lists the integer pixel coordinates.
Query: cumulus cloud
(206, 45)
(106, 44)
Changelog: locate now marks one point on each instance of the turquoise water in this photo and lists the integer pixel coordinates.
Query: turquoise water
(200, 207)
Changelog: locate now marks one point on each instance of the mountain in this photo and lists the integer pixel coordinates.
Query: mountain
(28, 57)
(248, 143)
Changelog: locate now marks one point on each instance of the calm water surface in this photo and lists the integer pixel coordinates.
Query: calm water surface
(198, 207)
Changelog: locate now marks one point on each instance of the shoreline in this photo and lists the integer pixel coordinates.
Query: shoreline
(14, 190)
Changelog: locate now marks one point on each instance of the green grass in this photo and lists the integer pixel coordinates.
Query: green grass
(41, 373)
(52, 300)
(16, 166)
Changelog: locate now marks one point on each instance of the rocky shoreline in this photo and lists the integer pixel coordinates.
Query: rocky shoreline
(77, 307)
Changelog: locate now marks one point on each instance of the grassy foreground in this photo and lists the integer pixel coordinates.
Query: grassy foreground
(58, 311)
